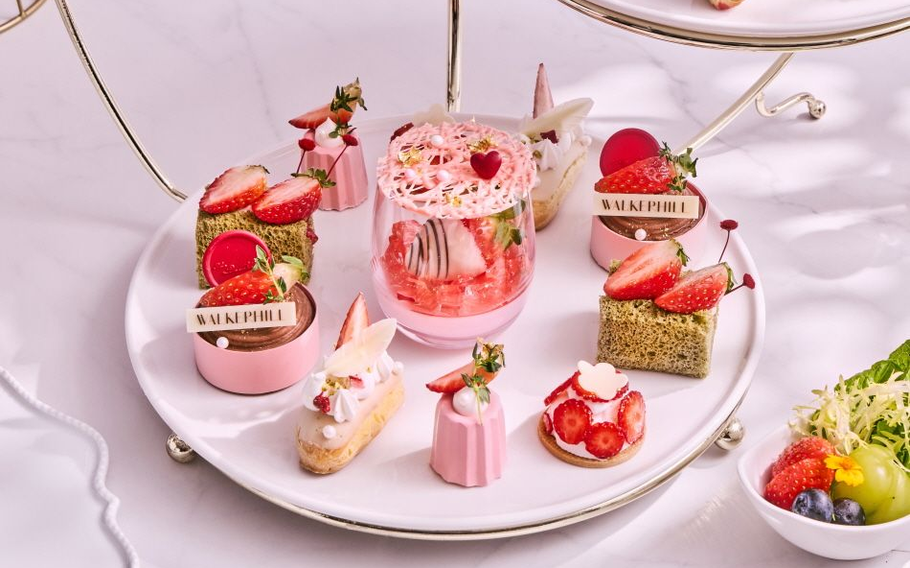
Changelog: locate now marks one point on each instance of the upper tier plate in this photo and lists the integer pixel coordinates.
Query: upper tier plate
(764, 18)
(390, 487)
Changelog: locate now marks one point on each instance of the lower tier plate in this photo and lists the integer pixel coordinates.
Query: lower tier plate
(390, 488)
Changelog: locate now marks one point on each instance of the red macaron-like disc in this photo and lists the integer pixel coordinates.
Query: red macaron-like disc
(626, 147)
(229, 254)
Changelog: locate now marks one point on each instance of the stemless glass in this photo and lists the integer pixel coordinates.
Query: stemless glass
(453, 253)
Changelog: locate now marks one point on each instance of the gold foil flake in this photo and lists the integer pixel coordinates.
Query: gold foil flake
(410, 157)
(454, 200)
(481, 145)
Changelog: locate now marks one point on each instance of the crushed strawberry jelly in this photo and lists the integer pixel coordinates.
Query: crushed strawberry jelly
(506, 273)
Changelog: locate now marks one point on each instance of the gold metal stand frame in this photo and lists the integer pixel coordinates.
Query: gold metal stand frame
(23, 11)
(727, 436)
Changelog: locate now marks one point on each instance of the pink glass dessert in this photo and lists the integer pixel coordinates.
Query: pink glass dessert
(469, 435)
(453, 231)
(632, 162)
(330, 144)
(593, 419)
(255, 359)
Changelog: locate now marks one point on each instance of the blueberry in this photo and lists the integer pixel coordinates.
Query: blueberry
(849, 512)
(814, 504)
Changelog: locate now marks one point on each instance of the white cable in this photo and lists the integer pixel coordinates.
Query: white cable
(98, 480)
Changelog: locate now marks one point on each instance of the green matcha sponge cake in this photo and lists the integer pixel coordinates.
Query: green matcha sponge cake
(281, 215)
(637, 334)
(656, 317)
(292, 239)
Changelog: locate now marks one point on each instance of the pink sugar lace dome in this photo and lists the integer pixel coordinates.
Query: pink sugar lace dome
(428, 170)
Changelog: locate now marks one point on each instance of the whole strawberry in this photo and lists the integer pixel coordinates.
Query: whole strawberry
(810, 473)
(657, 174)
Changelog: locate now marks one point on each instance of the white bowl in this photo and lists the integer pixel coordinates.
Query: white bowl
(824, 539)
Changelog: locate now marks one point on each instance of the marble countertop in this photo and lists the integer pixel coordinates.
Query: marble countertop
(823, 206)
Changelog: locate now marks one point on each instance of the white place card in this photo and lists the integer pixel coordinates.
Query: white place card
(225, 318)
(639, 205)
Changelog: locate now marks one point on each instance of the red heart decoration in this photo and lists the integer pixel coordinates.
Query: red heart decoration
(626, 147)
(486, 165)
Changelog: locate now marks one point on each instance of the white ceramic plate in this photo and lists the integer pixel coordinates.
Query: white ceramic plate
(765, 18)
(390, 486)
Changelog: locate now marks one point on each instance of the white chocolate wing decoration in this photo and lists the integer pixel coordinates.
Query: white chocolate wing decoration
(561, 118)
(362, 351)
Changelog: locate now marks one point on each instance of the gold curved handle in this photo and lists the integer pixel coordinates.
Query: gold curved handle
(112, 107)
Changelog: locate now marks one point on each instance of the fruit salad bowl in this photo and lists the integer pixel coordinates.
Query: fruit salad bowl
(824, 539)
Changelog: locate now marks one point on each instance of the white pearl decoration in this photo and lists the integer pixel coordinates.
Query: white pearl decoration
(443, 176)
(222, 342)
(410, 174)
(329, 432)
(640, 234)
(437, 141)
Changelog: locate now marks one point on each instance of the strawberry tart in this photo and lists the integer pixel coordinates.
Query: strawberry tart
(559, 147)
(331, 144)
(640, 180)
(348, 403)
(453, 232)
(254, 359)
(281, 216)
(469, 434)
(656, 316)
(593, 419)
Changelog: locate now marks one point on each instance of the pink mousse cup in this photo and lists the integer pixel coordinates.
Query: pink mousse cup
(349, 175)
(607, 245)
(263, 371)
(466, 452)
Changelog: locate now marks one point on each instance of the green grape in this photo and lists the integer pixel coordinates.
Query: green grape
(884, 493)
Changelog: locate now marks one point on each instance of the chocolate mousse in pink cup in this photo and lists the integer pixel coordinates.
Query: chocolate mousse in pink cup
(615, 238)
(263, 360)
(453, 232)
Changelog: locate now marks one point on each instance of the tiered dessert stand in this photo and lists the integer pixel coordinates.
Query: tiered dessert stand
(219, 427)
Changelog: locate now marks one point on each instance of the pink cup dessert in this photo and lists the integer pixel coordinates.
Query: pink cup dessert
(469, 434)
(330, 144)
(614, 238)
(593, 419)
(257, 359)
(453, 231)
(644, 170)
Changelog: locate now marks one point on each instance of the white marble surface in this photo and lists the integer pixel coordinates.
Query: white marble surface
(823, 206)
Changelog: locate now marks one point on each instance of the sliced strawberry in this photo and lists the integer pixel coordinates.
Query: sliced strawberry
(810, 473)
(656, 174)
(647, 273)
(290, 201)
(547, 423)
(696, 291)
(312, 119)
(234, 189)
(357, 320)
(452, 382)
(559, 390)
(340, 110)
(631, 416)
(805, 448)
(571, 419)
(604, 440)
(356, 382)
(588, 395)
(251, 287)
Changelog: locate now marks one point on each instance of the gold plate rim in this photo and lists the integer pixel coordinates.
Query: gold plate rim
(735, 42)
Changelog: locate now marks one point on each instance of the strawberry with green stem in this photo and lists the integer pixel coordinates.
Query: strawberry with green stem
(657, 174)
(339, 110)
(266, 282)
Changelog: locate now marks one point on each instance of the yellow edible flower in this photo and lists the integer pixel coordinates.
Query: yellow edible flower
(846, 470)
